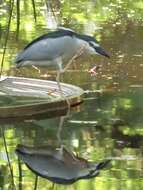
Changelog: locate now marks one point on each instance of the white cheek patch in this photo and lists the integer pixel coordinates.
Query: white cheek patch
(94, 44)
(64, 28)
(90, 49)
(87, 47)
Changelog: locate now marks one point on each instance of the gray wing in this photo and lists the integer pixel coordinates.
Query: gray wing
(45, 49)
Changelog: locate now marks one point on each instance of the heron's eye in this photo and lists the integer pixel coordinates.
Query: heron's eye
(91, 44)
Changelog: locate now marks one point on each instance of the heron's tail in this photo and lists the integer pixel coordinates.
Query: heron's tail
(19, 60)
(18, 64)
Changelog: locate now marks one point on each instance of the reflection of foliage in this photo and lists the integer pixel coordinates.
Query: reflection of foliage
(105, 10)
(96, 140)
(72, 12)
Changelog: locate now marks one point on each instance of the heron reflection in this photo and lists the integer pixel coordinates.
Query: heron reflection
(58, 165)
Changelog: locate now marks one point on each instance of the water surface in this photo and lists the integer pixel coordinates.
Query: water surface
(109, 124)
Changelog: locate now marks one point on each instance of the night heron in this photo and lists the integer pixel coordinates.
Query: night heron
(57, 49)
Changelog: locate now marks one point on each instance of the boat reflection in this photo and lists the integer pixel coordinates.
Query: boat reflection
(58, 164)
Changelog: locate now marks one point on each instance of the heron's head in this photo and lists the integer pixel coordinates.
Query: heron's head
(92, 46)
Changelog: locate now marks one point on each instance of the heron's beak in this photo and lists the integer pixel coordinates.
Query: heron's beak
(101, 51)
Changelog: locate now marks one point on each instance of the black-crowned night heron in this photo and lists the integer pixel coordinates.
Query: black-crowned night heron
(57, 49)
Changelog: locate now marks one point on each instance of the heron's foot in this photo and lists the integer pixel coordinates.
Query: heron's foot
(51, 92)
(62, 71)
(93, 70)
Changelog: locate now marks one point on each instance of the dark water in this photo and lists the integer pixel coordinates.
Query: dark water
(109, 123)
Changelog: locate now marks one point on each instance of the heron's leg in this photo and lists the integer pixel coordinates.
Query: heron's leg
(60, 70)
(58, 83)
(79, 52)
(61, 92)
(61, 123)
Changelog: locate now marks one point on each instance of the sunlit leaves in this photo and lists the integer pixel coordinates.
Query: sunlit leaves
(138, 4)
